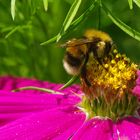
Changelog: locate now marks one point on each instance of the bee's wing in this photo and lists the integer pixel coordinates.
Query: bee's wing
(75, 42)
(83, 41)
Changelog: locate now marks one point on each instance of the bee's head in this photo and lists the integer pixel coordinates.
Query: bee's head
(76, 50)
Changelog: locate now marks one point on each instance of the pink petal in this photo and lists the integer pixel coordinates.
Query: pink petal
(15, 105)
(9, 83)
(59, 123)
(138, 78)
(136, 90)
(95, 129)
(128, 129)
(138, 81)
(138, 72)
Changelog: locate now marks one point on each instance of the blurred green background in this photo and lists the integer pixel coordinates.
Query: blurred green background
(21, 53)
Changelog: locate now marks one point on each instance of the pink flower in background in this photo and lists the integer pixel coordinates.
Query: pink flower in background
(35, 115)
(136, 89)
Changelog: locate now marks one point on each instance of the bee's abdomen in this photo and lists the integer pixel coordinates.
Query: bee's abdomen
(73, 61)
(72, 64)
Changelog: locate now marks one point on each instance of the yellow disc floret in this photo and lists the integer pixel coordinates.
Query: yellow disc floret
(116, 73)
(111, 81)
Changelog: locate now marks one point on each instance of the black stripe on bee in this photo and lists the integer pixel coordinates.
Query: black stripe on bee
(108, 48)
(93, 47)
(84, 71)
(73, 61)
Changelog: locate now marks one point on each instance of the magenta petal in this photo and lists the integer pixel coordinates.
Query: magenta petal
(138, 81)
(136, 90)
(138, 78)
(15, 105)
(59, 122)
(95, 129)
(138, 72)
(129, 129)
(9, 83)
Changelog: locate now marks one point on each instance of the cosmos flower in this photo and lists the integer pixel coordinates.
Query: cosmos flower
(35, 115)
(107, 110)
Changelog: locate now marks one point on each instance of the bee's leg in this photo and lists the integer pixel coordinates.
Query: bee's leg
(94, 51)
(101, 63)
(99, 60)
(84, 71)
(84, 76)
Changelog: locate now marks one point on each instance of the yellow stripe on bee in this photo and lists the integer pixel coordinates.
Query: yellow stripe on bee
(76, 52)
(92, 33)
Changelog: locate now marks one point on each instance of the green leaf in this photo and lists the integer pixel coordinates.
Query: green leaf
(69, 18)
(13, 5)
(74, 24)
(49, 41)
(127, 29)
(83, 16)
(12, 31)
(8, 61)
(137, 2)
(130, 4)
(45, 3)
(70, 82)
(7, 29)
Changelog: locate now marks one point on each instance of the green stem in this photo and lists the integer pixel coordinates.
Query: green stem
(70, 82)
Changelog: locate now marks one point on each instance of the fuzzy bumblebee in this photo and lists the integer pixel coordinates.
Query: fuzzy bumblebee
(96, 43)
(107, 77)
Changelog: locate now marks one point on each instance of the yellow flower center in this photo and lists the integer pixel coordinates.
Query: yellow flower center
(111, 83)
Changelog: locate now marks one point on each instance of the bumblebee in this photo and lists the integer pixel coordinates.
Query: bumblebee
(94, 42)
